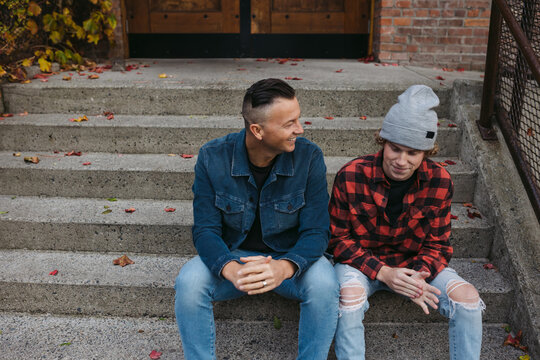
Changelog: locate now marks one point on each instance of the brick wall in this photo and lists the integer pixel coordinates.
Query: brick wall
(444, 33)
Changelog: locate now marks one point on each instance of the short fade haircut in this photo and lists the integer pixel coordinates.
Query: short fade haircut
(262, 94)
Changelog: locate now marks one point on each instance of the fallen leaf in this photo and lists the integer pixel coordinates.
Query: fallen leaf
(4, 212)
(339, 71)
(282, 61)
(31, 159)
(297, 59)
(307, 122)
(529, 132)
(507, 328)
(515, 341)
(155, 355)
(453, 217)
(66, 78)
(170, 209)
(79, 119)
(106, 206)
(294, 64)
(140, 331)
(469, 205)
(241, 69)
(112, 199)
(44, 80)
(450, 162)
(7, 115)
(65, 344)
(130, 210)
(93, 76)
(524, 357)
(53, 273)
(162, 76)
(109, 115)
(87, 163)
(440, 78)
(443, 164)
(473, 214)
(82, 74)
(292, 78)
(447, 69)
(186, 156)
(123, 261)
(329, 117)
(452, 125)
(261, 59)
(395, 64)
(73, 153)
(395, 336)
(162, 319)
(277, 323)
(108, 211)
(363, 117)
(26, 81)
(489, 266)
(171, 154)
(23, 113)
(16, 154)
(460, 69)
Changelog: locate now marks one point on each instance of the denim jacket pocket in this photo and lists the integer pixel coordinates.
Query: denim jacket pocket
(287, 211)
(232, 210)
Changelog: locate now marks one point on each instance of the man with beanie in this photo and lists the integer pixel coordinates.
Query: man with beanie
(390, 224)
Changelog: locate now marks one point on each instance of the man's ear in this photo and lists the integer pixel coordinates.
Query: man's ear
(256, 130)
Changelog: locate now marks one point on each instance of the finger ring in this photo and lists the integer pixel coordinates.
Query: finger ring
(264, 283)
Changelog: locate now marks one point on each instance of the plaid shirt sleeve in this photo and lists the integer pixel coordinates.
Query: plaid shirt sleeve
(345, 248)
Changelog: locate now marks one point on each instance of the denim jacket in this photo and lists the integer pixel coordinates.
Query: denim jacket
(293, 203)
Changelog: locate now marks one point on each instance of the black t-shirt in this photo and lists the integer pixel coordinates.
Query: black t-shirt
(254, 240)
(398, 189)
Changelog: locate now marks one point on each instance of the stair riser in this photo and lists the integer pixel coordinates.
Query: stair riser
(158, 301)
(162, 239)
(159, 101)
(136, 184)
(137, 140)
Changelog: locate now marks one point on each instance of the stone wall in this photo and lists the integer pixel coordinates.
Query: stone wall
(445, 33)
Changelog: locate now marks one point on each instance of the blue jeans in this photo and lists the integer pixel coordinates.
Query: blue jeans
(465, 325)
(196, 287)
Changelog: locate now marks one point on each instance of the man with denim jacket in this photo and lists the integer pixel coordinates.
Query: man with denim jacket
(260, 224)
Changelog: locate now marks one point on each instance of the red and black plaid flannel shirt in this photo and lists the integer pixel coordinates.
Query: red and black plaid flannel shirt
(362, 236)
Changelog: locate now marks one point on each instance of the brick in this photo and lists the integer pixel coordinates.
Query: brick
(400, 56)
(476, 22)
(430, 4)
(385, 22)
(402, 21)
(390, 12)
(451, 22)
(481, 32)
(412, 48)
(407, 12)
(401, 39)
(403, 3)
(425, 22)
(432, 48)
(450, 40)
(446, 58)
(422, 58)
(385, 55)
(434, 13)
(385, 30)
(478, 66)
(460, 32)
(392, 47)
(408, 31)
(460, 13)
(485, 14)
(473, 13)
(422, 13)
(447, 13)
(453, 4)
(458, 49)
(475, 41)
(387, 3)
(473, 58)
(479, 49)
(483, 4)
(422, 40)
(386, 38)
(435, 31)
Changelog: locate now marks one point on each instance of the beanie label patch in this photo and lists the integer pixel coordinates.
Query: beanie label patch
(430, 134)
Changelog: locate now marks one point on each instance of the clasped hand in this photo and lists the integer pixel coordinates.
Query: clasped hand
(258, 274)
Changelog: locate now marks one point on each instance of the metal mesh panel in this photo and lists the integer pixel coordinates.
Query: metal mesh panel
(517, 91)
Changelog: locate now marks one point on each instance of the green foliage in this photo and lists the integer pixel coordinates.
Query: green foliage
(45, 31)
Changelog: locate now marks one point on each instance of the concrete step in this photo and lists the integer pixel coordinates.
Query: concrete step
(216, 87)
(77, 224)
(185, 134)
(150, 176)
(89, 284)
(127, 338)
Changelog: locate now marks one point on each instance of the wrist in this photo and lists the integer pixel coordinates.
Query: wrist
(288, 267)
(383, 271)
(230, 269)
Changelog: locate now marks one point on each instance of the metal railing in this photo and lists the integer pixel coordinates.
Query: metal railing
(511, 92)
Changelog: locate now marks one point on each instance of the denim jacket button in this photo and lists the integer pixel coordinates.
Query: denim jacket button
(289, 207)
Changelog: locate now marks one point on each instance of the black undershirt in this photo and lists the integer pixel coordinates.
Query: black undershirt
(398, 189)
(254, 241)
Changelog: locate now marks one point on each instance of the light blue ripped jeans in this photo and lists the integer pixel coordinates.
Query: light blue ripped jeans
(465, 325)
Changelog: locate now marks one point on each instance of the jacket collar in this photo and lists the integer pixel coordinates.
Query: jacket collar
(284, 164)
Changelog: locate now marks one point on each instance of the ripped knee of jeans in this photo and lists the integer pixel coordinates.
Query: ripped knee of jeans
(462, 293)
(352, 295)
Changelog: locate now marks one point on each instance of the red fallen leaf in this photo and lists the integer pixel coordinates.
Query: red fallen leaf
(529, 132)
(87, 163)
(53, 273)
(292, 78)
(56, 151)
(453, 217)
(1, 118)
(110, 117)
(469, 205)
(44, 80)
(450, 162)
(123, 261)
(482, 75)
(443, 164)
(41, 76)
(82, 74)
(363, 117)
(438, 124)
(395, 64)
(241, 69)
(132, 67)
(515, 341)
(294, 64)
(460, 69)
(261, 59)
(93, 76)
(340, 70)
(145, 65)
(170, 209)
(7, 115)
(130, 210)
(307, 122)
(490, 266)
(329, 117)
(452, 125)
(186, 156)
(297, 59)
(155, 355)
(73, 153)
(473, 214)
(447, 69)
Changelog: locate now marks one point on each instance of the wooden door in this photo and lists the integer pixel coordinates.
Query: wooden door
(183, 16)
(310, 16)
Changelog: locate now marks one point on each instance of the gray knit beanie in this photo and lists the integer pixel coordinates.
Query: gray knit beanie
(411, 122)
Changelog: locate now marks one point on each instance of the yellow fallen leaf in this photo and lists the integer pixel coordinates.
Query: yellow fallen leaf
(171, 154)
(26, 82)
(162, 76)
(66, 78)
(16, 154)
(31, 159)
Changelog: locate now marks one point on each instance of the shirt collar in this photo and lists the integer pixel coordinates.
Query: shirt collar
(284, 164)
